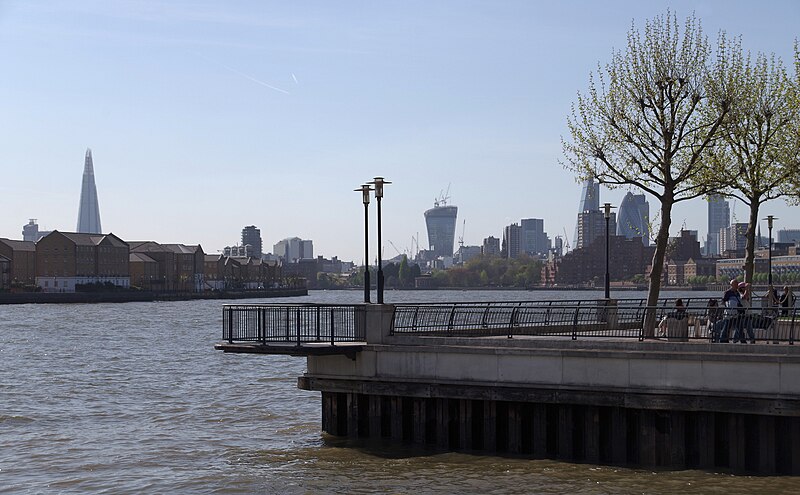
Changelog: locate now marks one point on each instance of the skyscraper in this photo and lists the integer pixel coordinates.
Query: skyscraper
(89, 210)
(719, 217)
(533, 237)
(590, 196)
(511, 241)
(590, 201)
(251, 235)
(633, 219)
(441, 223)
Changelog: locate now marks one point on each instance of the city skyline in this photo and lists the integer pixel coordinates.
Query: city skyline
(209, 117)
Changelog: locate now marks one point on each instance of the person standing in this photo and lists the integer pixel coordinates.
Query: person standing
(732, 302)
(787, 300)
(746, 316)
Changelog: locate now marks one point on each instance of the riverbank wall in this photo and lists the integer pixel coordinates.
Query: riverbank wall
(139, 296)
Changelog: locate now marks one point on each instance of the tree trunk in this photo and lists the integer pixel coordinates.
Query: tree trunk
(658, 264)
(750, 245)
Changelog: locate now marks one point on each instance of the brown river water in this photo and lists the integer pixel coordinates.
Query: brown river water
(133, 398)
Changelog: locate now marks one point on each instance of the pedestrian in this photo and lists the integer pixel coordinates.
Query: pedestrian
(732, 302)
(746, 316)
(787, 300)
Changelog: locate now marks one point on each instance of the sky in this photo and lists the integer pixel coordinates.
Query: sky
(204, 117)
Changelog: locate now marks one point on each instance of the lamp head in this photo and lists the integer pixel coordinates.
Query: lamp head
(365, 189)
(607, 210)
(379, 183)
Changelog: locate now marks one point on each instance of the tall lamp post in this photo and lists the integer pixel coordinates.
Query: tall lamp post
(378, 182)
(607, 214)
(769, 220)
(365, 189)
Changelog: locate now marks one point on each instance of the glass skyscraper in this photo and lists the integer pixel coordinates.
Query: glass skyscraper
(719, 217)
(89, 210)
(441, 223)
(634, 216)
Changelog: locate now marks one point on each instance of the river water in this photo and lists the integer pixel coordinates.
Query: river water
(133, 398)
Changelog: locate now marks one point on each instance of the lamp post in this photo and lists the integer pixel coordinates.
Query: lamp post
(769, 220)
(378, 182)
(607, 214)
(365, 189)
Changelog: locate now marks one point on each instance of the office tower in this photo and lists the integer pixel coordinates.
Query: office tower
(31, 232)
(733, 238)
(252, 236)
(533, 237)
(634, 216)
(590, 201)
(491, 246)
(590, 196)
(591, 225)
(789, 235)
(511, 241)
(719, 217)
(89, 210)
(441, 223)
(293, 249)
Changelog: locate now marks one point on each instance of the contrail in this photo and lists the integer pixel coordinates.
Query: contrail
(295, 79)
(257, 81)
(254, 79)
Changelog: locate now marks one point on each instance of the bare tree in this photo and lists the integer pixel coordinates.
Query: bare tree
(759, 154)
(648, 121)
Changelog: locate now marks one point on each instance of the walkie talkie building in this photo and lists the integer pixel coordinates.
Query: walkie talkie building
(441, 223)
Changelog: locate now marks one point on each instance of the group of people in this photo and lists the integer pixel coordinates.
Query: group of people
(734, 313)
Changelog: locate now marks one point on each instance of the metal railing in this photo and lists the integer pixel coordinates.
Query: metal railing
(598, 320)
(293, 323)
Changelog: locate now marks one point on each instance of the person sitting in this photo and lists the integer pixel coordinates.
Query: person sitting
(678, 313)
(715, 322)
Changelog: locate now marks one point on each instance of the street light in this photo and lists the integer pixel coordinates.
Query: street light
(365, 189)
(607, 214)
(769, 220)
(379, 183)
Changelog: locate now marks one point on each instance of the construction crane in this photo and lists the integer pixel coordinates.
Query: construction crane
(566, 241)
(395, 248)
(461, 238)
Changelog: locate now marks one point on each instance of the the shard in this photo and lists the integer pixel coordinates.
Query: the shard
(89, 210)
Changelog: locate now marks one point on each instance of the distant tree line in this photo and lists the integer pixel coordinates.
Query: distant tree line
(491, 271)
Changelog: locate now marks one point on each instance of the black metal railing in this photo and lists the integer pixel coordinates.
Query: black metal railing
(293, 323)
(627, 320)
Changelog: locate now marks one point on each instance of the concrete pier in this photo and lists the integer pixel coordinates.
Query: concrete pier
(650, 404)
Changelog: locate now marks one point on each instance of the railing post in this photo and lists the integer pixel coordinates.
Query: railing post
(262, 324)
(450, 322)
(317, 325)
(791, 327)
(575, 323)
(297, 327)
(414, 321)
(332, 325)
(288, 317)
(511, 322)
(230, 323)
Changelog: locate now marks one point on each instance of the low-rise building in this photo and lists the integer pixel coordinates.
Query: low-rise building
(5, 273)
(65, 260)
(22, 257)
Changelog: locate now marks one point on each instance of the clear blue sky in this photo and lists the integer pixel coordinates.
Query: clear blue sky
(204, 117)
